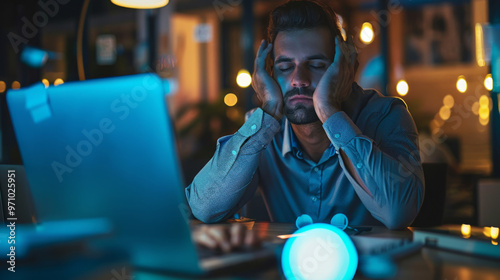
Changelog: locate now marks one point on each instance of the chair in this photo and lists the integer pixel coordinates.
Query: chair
(432, 211)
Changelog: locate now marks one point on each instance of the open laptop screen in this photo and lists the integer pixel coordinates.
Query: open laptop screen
(105, 148)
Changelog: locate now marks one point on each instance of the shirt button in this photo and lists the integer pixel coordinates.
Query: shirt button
(314, 198)
(359, 165)
(234, 152)
(337, 135)
(316, 169)
(253, 127)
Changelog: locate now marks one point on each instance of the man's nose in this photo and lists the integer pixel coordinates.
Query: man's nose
(301, 77)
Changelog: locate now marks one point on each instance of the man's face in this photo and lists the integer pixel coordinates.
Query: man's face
(301, 57)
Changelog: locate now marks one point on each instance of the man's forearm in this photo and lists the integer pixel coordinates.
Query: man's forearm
(227, 180)
(387, 176)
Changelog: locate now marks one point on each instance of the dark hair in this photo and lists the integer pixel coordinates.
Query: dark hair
(300, 15)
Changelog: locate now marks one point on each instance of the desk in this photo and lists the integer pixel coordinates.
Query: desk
(429, 263)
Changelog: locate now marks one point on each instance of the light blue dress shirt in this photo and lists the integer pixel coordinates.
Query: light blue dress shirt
(377, 134)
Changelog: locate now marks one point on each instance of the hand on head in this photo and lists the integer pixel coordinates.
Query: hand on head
(267, 90)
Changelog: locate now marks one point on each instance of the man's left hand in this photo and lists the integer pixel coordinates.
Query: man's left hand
(336, 84)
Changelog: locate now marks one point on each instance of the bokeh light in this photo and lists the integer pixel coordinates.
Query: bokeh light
(484, 101)
(243, 79)
(449, 101)
(461, 84)
(58, 81)
(488, 82)
(366, 34)
(475, 108)
(444, 113)
(230, 99)
(484, 112)
(15, 85)
(466, 230)
(3, 86)
(402, 87)
(45, 82)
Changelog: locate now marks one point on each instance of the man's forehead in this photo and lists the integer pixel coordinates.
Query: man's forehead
(303, 43)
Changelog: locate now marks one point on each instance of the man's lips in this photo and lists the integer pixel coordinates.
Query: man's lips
(300, 98)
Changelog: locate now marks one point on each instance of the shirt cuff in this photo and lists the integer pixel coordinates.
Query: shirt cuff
(340, 129)
(258, 120)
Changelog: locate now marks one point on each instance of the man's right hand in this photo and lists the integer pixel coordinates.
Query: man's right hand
(268, 91)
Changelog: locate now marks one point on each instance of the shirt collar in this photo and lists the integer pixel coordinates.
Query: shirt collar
(290, 143)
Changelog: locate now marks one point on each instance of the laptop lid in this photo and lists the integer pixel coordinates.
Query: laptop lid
(105, 148)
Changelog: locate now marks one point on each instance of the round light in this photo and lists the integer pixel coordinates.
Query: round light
(319, 251)
(243, 79)
(366, 34)
(475, 108)
(488, 82)
(461, 84)
(448, 101)
(484, 112)
(58, 81)
(3, 86)
(444, 113)
(402, 87)
(45, 82)
(230, 99)
(484, 122)
(140, 4)
(15, 85)
(484, 101)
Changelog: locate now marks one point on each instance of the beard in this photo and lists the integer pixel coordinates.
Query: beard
(299, 113)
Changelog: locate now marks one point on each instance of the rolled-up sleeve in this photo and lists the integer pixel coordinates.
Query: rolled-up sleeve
(388, 165)
(228, 180)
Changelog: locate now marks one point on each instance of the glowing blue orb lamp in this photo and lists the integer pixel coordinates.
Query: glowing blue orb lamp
(319, 251)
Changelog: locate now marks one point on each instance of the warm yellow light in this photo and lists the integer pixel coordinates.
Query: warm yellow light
(45, 82)
(494, 232)
(465, 230)
(58, 81)
(230, 99)
(448, 101)
(444, 113)
(487, 232)
(461, 84)
(243, 79)
(475, 108)
(484, 122)
(484, 101)
(15, 85)
(140, 4)
(3, 86)
(479, 45)
(494, 242)
(402, 87)
(484, 112)
(488, 82)
(366, 34)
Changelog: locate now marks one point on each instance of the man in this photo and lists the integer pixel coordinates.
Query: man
(338, 148)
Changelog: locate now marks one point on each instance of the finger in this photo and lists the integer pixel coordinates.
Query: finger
(252, 240)
(237, 232)
(264, 49)
(201, 237)
(220, 235)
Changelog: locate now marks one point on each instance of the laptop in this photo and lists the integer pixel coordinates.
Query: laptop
(104, 150)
